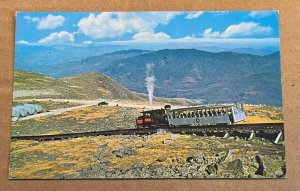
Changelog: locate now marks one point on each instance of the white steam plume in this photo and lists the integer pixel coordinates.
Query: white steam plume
(150, 79)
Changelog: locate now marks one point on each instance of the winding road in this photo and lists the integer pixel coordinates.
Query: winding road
(85, 103)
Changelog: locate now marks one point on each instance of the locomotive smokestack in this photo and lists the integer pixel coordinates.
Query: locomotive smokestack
(150, 79)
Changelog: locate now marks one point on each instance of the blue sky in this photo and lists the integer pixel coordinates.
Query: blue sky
(81, 28)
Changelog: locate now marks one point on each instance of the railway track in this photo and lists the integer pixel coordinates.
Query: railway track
(241, 128)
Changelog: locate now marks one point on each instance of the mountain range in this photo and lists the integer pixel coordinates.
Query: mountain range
(194, 74)
(189, 73)
(32, 57)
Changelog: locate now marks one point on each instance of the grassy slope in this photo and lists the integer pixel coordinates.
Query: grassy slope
(97, 85)
(24, 80)
(29, 82)
(86, 86)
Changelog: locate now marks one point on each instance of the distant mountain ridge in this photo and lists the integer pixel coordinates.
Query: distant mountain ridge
(194, 74)
(38, 57)
(33, 57)
(189, 73)
(91, 64)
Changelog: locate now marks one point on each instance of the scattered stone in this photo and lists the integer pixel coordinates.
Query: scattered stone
(179, 160)
(223, 158)
(42, 172)
(161, 131)
(236, 167)
(144, 137)
(173, 136)
(119, 154)
(66, 165)
(167, 141)
(196, 158)
(104, 164)
(184, 172)
(270, 167)
(138, 165)
(279, 173)
(158, 171)
(190, 160)
(51, 157)
(162, 158)
(255, 176)
(101, 148)
(145, 144)
(247, 145)
(33, 144)
(199, 158)
(212, 169)
(124, 151)
(132, 137)
(170, 139)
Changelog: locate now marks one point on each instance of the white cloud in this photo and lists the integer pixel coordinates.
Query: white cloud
(228, 40)
(61, 37)
(116, 24)
(261, 14)
(22, 42)
(32, 19)
(150, 37)
(48, 22)
(87, 42)
(194, 15)
(241, 29)
(210, 34)
(197, 41)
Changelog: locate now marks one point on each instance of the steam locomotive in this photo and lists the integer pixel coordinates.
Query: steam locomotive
(192, 116)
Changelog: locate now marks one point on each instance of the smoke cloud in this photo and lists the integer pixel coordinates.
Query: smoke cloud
(150, 79)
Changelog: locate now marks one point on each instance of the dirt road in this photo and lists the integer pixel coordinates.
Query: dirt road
(62, 110)
(87, 103)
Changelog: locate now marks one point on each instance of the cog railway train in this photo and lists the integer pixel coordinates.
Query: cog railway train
(192, 116)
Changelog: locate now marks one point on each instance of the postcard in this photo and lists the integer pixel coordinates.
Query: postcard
(113, 95)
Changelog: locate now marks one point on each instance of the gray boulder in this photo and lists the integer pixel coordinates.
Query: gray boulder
(212, 169)
(124, 151)
(162, 158)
